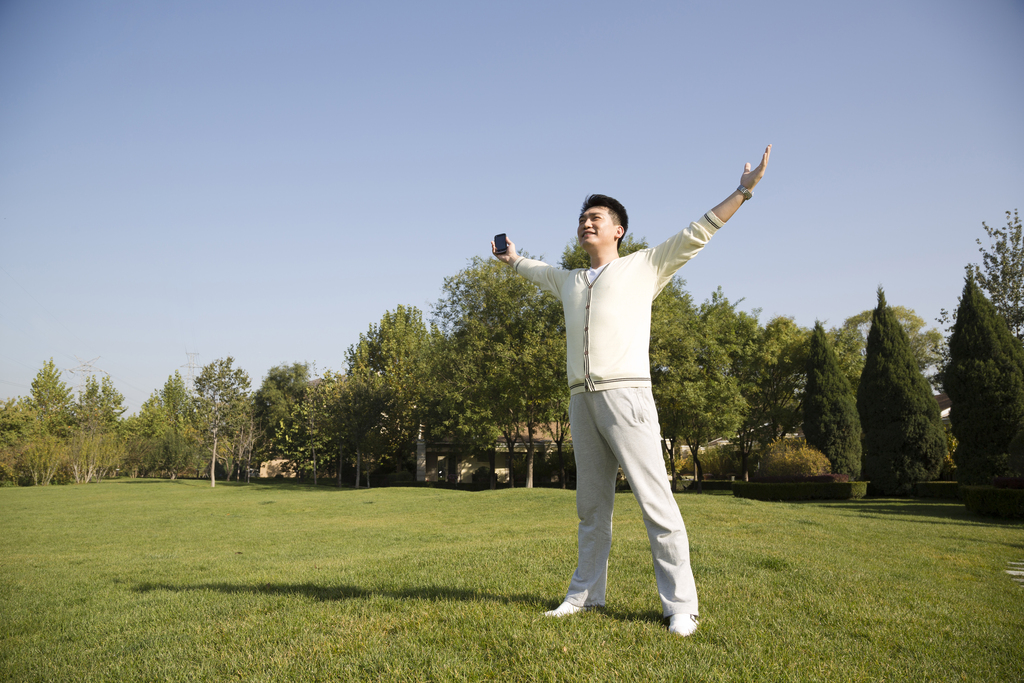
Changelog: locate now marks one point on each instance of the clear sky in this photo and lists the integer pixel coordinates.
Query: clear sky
(265, 180)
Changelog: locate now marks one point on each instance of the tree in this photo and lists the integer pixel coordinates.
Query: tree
(904, 442)
(308, 428)
(985, 381)
(700, 400)
(274, 402)
(1001, 273)
(831, 423)
(395, 351)
(52, 400)
(221, 391)
(769, 363)
(926, 345)
(99, 406)
(456, 408)
(362, 410)
(673, 325)
(43, 456)
(18, 422)
(504, 354)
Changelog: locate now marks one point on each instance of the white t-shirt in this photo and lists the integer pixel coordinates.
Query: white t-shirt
(592, 273)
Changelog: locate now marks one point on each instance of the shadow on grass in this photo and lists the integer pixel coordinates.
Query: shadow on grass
(429, 593)
(887, 508)
(320, 592)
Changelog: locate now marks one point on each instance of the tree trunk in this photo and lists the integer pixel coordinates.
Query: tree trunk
(529, 462)
(494, 475)
(561, 465)
(213, 463)
(341, 457)
(511, 465)
(359, 464)
(672, 462)
(314, 465)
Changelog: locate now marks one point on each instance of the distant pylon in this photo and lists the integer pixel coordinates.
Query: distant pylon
(84, 370)
(190, 368)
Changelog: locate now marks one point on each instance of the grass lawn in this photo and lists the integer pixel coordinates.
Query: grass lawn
(157, 580)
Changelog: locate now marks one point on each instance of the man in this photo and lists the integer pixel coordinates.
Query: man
(611, 410)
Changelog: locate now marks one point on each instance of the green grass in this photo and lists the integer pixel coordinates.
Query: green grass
(158, 580)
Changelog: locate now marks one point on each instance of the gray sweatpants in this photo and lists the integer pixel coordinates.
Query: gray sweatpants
(609, 429)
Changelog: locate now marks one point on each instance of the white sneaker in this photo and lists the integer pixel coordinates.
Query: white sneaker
(564, 610)
(683, 624)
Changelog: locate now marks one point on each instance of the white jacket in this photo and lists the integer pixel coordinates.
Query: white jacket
(608, 321)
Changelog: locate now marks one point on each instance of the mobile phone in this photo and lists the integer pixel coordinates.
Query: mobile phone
(500, 244)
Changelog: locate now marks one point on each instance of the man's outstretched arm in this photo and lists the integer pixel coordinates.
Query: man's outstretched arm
(749, 179)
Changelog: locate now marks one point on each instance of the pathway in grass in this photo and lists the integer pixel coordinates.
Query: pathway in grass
(159, 580)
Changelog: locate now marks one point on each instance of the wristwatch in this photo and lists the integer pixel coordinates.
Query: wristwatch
(745, 192)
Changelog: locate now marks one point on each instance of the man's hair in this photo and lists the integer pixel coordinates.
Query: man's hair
(615, 208)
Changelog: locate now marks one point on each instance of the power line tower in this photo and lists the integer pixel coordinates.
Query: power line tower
(84, 370)
(190, 368)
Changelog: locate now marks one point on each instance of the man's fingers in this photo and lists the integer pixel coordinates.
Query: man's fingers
(746, 167)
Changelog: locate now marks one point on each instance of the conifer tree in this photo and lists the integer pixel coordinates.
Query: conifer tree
(831, 423)
(904, 442)
(985, 381)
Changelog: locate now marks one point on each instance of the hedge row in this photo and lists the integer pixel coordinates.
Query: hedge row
(801, 491)
(988, 500)
(707, 485)
(937, 489)
(798, 478)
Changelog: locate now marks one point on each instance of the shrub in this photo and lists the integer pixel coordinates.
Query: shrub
(718, 461)
(1008, 482)
(800, 490)
(993, 502)
(788, 457)
(798, 478)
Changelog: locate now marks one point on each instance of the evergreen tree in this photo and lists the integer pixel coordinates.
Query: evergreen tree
(904, 442)
(831, 423)
(985, 381)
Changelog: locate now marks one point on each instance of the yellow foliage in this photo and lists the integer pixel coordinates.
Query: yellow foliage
(787, 457)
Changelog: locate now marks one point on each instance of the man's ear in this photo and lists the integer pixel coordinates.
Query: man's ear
(619, 232)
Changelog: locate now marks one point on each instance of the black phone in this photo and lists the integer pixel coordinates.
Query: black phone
(500, 244)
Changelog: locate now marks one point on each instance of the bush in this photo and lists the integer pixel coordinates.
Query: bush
(800, 490)
(993, 502)
(717, 461)
(1008, 482)
(789, 457)
(937, 489)
(798, 478)
(690, 486)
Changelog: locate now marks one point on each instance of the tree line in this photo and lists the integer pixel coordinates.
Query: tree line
(487, 368)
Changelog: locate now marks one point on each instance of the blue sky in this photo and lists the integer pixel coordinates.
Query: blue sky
(264, 180)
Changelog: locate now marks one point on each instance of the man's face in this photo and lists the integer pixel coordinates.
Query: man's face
(597, 229)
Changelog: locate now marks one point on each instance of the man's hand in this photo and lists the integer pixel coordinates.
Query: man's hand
(510, 255)
(750, 178)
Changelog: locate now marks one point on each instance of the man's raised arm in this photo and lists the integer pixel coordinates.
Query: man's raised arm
(748, 180)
